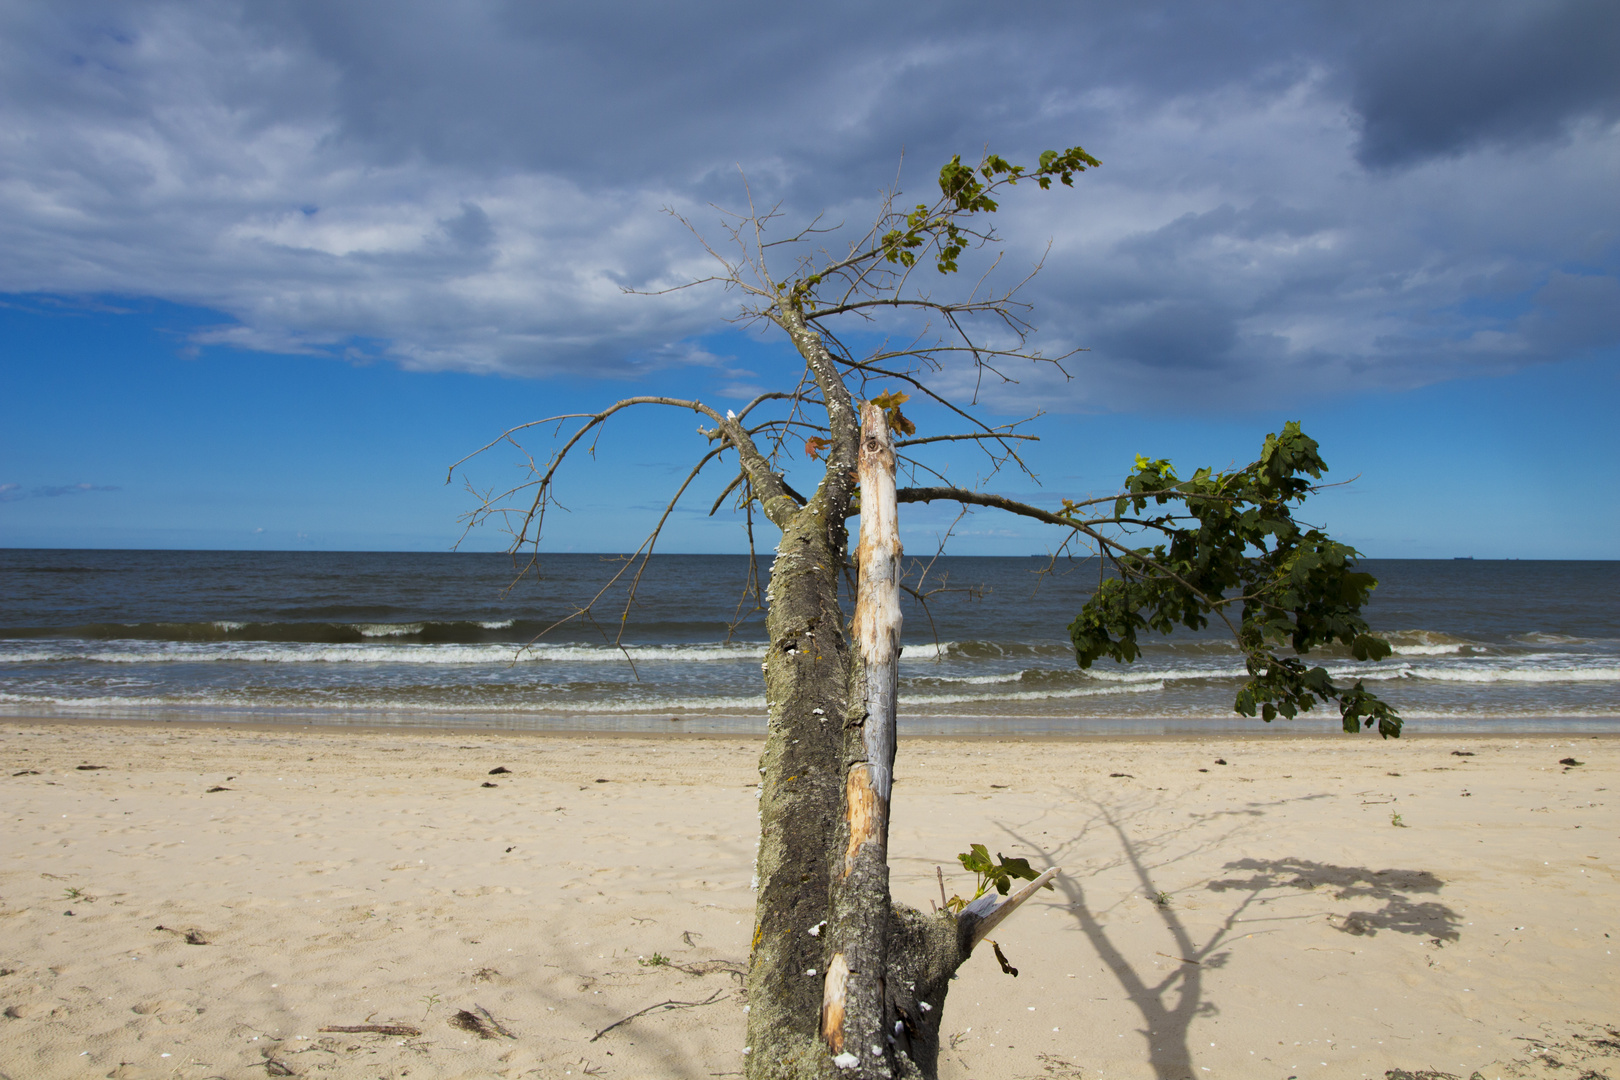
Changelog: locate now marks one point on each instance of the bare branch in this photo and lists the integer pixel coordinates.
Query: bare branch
(957, 438)
(982, 498)
(741, 478)
(774, 498)
(1105, 544)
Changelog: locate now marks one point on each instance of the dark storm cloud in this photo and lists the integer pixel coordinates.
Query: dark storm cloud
(652, 92)
(1295, 198)
(1438, 78)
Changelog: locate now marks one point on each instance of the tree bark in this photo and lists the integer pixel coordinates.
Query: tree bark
(806, 693)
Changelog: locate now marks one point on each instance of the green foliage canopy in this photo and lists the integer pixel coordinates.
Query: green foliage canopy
(1230, 544)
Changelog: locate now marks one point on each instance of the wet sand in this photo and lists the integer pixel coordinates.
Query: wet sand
(235, 890)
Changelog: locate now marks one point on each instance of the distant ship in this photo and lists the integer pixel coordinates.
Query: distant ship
(1462, 558)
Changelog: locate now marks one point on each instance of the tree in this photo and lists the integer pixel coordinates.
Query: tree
(1224, 546)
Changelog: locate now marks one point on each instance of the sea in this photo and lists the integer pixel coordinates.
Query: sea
(447, 641)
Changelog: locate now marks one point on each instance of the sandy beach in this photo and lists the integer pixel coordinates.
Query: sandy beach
(202, 901)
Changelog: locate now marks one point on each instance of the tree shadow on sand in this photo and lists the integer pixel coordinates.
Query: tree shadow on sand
(1169, 1002)
(1400, 913)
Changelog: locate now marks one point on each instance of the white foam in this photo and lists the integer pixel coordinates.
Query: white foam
(1429, 650)
(1496, 712)
(975, 680)
(982, 650)
(1519, 675)
(1145, 674)
(387, 630)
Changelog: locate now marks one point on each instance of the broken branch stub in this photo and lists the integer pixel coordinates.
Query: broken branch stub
(987, 916)
(854, 1010)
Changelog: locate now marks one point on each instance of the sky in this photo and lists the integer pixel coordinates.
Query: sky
(272, 268)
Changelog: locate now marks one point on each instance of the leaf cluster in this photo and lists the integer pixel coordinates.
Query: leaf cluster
(1000, 874)
(1231, 542)
(967, 189)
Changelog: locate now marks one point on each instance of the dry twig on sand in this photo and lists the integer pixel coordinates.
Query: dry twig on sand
(710, 1000)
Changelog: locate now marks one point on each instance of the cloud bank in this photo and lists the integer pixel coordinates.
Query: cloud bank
(15, 492)
(1296, 200)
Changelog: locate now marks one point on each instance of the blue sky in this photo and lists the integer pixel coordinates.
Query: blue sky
(272, 268)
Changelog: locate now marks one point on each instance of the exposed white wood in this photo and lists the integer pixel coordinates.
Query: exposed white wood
(834, 994)
(877, 597)
(989, 921)
(852, 1014)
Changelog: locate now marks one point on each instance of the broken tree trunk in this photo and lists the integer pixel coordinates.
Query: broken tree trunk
(842, 982)
(854, 1020)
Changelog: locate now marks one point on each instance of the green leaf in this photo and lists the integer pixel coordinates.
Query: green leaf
(1018, 868)
(976, 859)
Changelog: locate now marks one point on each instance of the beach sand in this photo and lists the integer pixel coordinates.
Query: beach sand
(211, 897)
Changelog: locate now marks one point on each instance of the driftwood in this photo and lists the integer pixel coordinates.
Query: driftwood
(402, 1030)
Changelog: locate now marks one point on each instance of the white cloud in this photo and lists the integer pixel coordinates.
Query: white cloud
(475, 191)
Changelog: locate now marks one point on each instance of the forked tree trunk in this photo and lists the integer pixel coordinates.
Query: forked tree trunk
(842, 982)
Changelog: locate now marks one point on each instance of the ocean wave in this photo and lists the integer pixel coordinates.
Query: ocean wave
(1027, 676)
(511, 631)
(137, 652)
(1538, 637)
(984, 650)
(1429, 650)
(964, 680)
(652, 704)
(914, 701)
(1499, 712)
(1139, 675)
(1172, 675)
(1425, 642)
(1519, 674)
(388, 630)
(385, 705)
